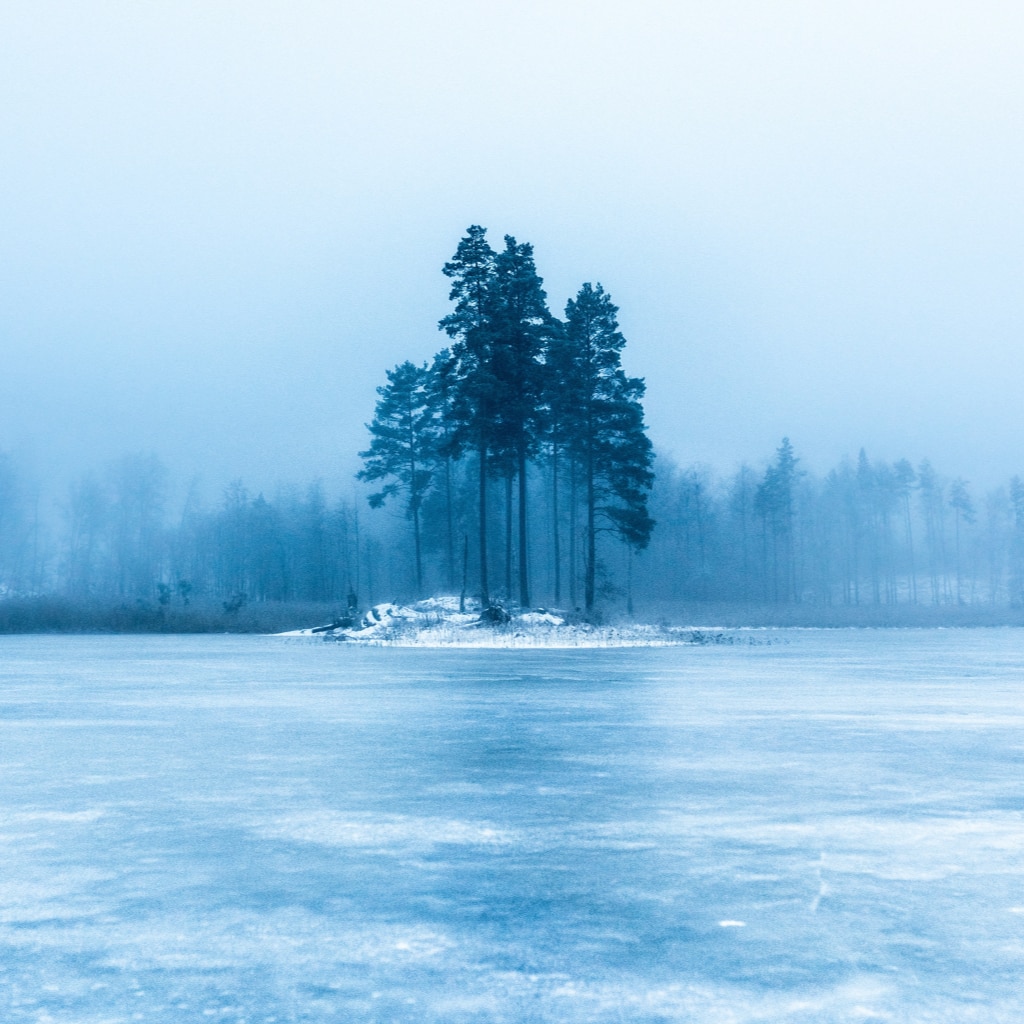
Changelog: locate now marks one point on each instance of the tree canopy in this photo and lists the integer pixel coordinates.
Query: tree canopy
(532, 399)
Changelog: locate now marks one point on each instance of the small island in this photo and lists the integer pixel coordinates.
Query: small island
(449, 621)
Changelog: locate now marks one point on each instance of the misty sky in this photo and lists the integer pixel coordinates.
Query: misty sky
(221, 222)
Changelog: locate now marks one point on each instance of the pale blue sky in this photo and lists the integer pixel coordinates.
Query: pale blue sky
(223, 221)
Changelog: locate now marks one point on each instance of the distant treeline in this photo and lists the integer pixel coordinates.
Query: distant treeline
(114, 538)
(866, 534)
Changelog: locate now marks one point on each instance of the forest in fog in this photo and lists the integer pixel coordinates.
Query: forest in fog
(515, 467)
(863, 533)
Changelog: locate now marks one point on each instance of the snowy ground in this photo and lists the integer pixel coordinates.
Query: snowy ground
(437, 622)
(239, 829)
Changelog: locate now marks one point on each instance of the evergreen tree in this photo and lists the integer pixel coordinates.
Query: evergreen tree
(441, 395)
(997, 540)
(476, 396)
(741, 500)
(867, 496)
(905, 478)
(930, 491)
(963, 511)
(841, 527)
(558, 369)
(774, 502)
(604, 429)
(520, 327)
(403, 445)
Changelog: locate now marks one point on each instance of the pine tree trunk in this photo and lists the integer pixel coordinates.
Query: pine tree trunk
(910, 549)
(702, 564)
(573, 556)
(415, 502)
(485, 597)
(764, 557)
(450, 523)
(956, 532)
(933, 573)
(591, 566)
(508, 536)
(419, 555)
(465, 573)
(524, 578)
(555, 534)
(629, 581)
(746, 551)
(358, 560)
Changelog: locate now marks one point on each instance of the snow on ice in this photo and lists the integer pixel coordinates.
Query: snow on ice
(438, 622)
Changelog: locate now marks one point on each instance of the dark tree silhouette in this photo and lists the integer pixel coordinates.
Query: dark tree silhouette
(520, 326)
(774, 501)
(604, 429)
(475, 395)
(403, 445)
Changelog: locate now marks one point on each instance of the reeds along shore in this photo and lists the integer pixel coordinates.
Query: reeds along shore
(66, 615)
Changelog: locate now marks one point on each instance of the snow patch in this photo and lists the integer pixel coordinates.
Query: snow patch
(439, 622)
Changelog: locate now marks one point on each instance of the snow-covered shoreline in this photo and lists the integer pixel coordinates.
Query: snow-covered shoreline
(437, 622)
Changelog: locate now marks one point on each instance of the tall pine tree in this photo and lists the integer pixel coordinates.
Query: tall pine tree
(604, 429)
(520, 326)
(475, 395)
(442, 396)
(775, 504)
(403, 445)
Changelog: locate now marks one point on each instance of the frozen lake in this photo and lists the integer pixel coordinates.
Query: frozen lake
(827, 828)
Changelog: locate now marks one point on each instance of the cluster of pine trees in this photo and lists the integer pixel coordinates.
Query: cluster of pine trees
(539, 407)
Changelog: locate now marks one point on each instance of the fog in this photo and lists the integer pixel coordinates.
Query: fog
(223, 222)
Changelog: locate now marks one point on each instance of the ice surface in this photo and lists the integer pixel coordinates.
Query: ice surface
(262, 830)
